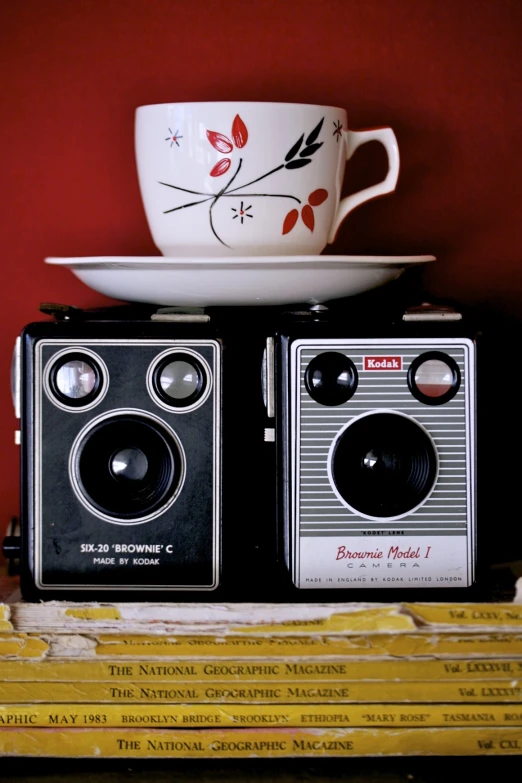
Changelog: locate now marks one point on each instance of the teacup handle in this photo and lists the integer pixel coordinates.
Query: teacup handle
(354, 139)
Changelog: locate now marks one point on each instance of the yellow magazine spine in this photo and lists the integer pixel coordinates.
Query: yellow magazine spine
(392, 617)
(259, 743)
(405, 644)
(468, 615)
(194, 716)
(238, 670)
(110, 646)
(22, 646)
(367, 620)
(480, 691)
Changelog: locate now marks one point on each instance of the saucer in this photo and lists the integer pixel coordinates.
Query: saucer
(252, 280)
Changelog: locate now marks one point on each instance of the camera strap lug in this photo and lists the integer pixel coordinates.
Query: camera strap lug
(61, 312)
(16, 375)
(12, 547)
(268, 381)
(429, 312)
(191, 315)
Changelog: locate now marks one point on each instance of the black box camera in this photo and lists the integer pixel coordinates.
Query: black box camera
(121, 458)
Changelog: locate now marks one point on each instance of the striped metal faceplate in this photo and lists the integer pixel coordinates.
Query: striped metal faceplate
(317, 511)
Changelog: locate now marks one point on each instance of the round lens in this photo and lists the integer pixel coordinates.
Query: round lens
(331, 378)
(434, 378)
(179, 379)
(384, 465)
(75, 379)
(128, 466)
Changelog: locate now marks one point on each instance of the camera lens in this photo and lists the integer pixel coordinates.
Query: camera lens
(75, 379)
(128, 466)
(384, 465)
(434, 378)
(179, 380)
(331, 378)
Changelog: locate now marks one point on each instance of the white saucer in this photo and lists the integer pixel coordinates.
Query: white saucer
(253, 280)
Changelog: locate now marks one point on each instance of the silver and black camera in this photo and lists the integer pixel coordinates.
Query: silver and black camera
(121, 457)
(375, 430)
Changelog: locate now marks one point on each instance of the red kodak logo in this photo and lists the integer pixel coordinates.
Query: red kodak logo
(383, 362)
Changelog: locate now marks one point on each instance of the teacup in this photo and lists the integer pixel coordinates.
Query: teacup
(249, 178)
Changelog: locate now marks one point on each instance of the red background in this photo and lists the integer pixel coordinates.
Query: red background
(446, 76)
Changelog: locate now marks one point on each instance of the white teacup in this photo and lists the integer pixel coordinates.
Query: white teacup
(249, 179)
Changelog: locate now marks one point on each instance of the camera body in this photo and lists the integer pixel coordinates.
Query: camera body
(121, 458)
(375, 429)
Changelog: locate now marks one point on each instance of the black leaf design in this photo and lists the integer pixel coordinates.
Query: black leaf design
(315, 133)
(295, 149)
(297, 164)
(310, 150)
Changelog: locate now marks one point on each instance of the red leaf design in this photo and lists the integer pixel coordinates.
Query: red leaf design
(317, 197)
(307, 214)
(239, 132)
(221, 167)
(219, 142)
(290, 221)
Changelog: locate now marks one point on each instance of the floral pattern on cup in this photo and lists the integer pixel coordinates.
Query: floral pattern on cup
(223, 144)
(174, 137)
(298, 156)
(338, 130)
(307, 213)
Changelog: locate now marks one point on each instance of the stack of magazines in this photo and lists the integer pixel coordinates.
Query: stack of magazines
(260, 680)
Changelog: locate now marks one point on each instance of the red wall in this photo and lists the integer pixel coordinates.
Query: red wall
(447, 76)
